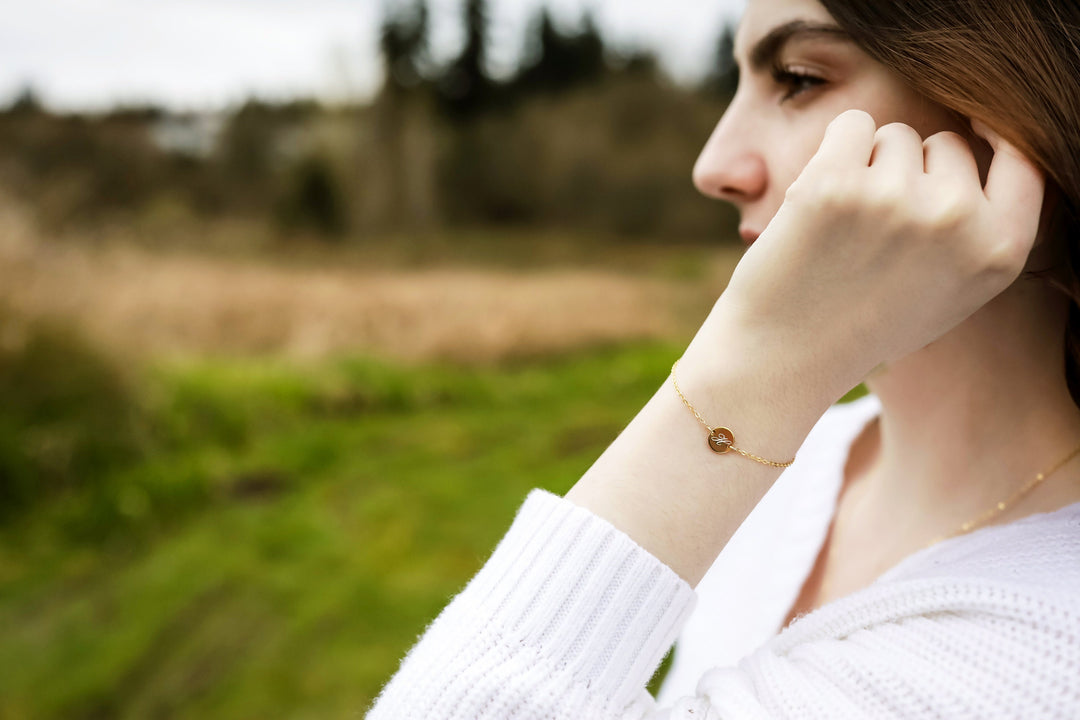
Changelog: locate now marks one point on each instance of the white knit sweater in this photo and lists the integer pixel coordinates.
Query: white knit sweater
(569, 618)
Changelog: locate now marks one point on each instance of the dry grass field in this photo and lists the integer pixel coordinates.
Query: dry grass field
(143, 303)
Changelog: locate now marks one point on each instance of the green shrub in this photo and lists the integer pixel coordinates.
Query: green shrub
(68, 417)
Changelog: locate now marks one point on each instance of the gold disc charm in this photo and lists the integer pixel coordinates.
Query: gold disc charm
(721, 440)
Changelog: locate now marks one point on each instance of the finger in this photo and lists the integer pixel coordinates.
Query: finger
(948, 154)
(848, 141)
(1013, 180)
(898, 150)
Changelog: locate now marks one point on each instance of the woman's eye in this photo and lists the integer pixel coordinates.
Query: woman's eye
(796, 82)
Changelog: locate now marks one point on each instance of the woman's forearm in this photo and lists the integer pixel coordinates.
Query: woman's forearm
(570, 616)
(660, 483)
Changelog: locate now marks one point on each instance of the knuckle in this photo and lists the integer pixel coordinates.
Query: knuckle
(1006, 259)
(837, 195)
(854, 119)
(825, 191)
(896, 130)
(945, 139)
(889, 193)
(951, 207)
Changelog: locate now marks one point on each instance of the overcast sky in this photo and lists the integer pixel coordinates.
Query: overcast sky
(196, 54)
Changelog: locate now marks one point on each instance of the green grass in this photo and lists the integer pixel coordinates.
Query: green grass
(289, 531)
(272, 538)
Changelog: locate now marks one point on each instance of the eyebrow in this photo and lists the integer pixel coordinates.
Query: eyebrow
(766, 50)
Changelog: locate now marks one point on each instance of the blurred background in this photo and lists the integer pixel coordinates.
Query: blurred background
(299, 300)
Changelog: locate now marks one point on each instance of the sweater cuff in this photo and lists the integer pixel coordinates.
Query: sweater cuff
(583, 595)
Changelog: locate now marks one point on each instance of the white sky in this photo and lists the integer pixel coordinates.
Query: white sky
(195, 54)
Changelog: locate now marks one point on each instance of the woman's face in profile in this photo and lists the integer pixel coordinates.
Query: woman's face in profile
(798, 70)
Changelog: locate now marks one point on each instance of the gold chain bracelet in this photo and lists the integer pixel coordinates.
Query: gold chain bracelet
(721, 439)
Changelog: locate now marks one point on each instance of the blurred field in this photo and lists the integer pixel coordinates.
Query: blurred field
(275, 376)
(239, 485)
(141, 303)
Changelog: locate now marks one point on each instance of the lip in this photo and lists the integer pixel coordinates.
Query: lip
(748, 236)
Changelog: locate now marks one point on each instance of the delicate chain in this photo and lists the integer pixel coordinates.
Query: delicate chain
(686, 402)
(721, 439)
(1001, 506)
(968, 526)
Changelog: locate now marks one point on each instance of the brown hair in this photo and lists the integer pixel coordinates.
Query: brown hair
(1015, 65)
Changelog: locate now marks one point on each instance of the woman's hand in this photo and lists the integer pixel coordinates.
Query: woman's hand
(883, 244)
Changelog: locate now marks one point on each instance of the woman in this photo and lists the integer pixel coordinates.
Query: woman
(879, 156)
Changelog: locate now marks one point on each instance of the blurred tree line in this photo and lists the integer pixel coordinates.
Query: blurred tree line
(580, 137)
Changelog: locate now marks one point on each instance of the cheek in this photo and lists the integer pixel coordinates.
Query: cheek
(794, 148)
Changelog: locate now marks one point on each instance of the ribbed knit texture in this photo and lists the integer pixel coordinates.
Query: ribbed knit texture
(569, 618)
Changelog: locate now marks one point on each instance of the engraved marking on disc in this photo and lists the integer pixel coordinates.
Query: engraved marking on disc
(721, 440)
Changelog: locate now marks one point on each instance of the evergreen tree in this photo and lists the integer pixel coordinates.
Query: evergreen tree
(403, 44)
(26, 103)
(589, 46)
(561, 60)
(464, 87)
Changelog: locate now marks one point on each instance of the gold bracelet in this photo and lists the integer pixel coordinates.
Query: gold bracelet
(721, 440)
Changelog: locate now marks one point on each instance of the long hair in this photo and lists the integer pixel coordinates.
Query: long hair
(1013, 64)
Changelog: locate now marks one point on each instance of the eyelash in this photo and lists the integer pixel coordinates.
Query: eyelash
(795, 81)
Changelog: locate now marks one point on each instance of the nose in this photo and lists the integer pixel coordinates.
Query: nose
(730, 167)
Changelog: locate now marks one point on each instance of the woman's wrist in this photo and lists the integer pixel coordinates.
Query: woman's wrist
(779, 382)
(660, 483)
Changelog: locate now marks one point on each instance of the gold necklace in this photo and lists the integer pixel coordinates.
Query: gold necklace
(824, 583)
(1001, 506)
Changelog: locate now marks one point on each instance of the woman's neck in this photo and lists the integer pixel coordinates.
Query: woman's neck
(967, 420)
